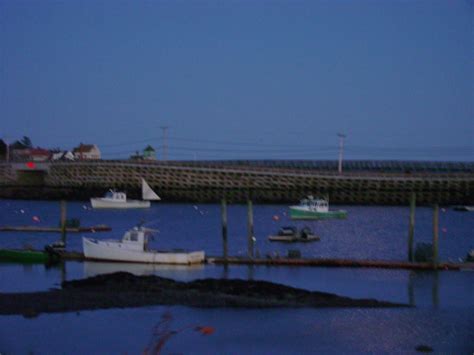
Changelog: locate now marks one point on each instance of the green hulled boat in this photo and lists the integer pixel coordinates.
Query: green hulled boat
(28, 256)
(315, 208)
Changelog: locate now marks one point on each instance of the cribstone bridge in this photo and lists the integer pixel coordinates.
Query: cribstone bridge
(362, 182)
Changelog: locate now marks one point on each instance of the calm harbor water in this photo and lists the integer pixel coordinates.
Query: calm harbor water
(442, 316)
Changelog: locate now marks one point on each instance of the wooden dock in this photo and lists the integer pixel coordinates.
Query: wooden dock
(31, 229)
(347, 263)
(316, 262)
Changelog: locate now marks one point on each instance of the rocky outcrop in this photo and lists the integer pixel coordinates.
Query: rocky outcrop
(122, 289)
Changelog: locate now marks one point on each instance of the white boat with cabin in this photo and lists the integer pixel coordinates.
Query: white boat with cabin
(117, 199)
(315, 208)
(133, 247)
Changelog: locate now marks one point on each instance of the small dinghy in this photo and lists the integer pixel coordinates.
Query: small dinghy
(292, 235)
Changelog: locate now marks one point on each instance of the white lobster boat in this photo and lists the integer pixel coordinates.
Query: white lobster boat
(115, 199)
(133, 247)
(315, 208)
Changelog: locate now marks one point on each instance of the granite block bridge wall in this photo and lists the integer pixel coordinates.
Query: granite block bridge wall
(237, 181)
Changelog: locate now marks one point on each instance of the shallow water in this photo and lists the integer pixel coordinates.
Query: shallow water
(442, 316)
(237, 331)
(369, 232)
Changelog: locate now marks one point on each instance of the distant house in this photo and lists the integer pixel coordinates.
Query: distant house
(39, 154)
(149, 153)
(86, 152)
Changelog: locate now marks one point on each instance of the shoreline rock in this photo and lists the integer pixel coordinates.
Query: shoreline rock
(124, 290)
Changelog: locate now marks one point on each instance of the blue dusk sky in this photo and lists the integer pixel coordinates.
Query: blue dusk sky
(241, 79)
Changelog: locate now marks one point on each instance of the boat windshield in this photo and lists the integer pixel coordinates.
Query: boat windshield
(315, 203)
(322, 203)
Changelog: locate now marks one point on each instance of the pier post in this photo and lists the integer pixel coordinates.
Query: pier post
(435, 234)
(411, 228)
(63, 222)
(224, 229)
(435, 289)
(411, 288)
(250, 234)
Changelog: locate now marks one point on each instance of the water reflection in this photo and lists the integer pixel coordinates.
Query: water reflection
(93, 268)
(431, 289)
(422, 280)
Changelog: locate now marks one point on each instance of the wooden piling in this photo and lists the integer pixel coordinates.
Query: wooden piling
(63, 221)
(435, 289)
(435, 233)
(250, 234)
(224, 228)
(411, 289)
(411, 228)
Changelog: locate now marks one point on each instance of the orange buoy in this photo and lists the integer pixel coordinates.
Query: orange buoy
(206, 330)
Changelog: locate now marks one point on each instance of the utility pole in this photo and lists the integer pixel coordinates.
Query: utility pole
(165, 142)
(224, 229)
(341, 149)
(7, 158)
(411, 228)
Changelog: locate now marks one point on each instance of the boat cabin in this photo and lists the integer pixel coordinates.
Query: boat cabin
(315, 204)
(287, 231)
(136, 239)
(116, 196)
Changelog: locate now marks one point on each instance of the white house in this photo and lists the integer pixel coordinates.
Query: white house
(86, 152)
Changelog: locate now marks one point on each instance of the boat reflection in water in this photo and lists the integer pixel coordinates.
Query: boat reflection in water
(93, 268)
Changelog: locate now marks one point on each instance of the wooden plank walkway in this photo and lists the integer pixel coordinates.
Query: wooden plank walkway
(92, 229)
(326, 262)
(317, 262)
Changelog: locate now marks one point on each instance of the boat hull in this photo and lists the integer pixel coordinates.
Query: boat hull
(112, 251)
(464, 208)
(26, 256)
(108, 203)
(301, 213)
(293, 239)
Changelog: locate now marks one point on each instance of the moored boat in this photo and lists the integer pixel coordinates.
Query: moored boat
(315, 208)
(28, 256)
(464, 208)
(291, 235)
(470, 256)
(119, 200)
(133, 247)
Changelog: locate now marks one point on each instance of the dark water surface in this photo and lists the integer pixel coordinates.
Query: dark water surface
(443, 316)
